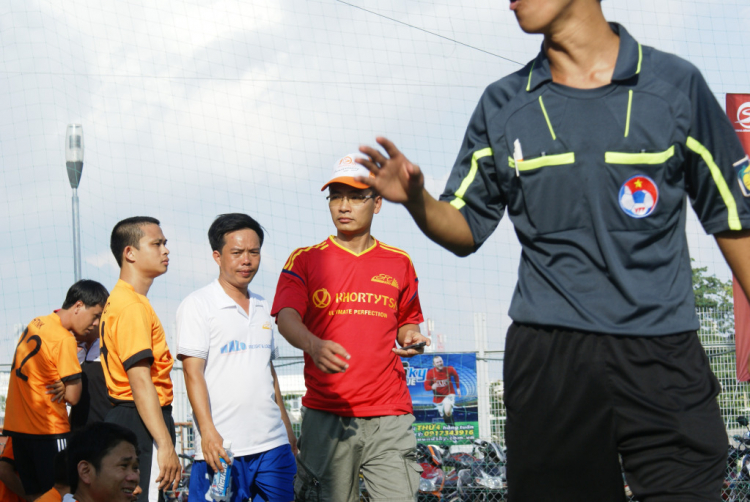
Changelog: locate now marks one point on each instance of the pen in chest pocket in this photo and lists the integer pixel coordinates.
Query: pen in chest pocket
(517, 154)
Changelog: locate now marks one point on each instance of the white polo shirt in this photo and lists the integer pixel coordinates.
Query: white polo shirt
(238, 349)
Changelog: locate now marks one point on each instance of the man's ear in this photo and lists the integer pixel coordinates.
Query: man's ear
(86, 472)
(128, 254)
(378, 201)
(79, 305)
(217, 257)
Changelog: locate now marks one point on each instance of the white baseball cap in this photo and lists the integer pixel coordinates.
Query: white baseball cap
(346, 168)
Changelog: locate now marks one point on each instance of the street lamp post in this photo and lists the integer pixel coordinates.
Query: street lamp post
(74, 165)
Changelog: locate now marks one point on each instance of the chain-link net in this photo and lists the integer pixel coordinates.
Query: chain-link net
(476, 471)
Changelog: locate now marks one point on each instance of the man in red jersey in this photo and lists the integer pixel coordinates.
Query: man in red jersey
(438, 380)
(345, 302)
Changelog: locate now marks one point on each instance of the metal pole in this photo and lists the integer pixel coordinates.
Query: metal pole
(483, 378)
(76, 238)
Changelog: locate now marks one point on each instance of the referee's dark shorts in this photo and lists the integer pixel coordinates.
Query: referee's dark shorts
(575, 400)
(126, 414)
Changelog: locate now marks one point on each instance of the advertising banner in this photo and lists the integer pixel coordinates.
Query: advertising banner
(443, 391)
(738, 111)
(742, 331)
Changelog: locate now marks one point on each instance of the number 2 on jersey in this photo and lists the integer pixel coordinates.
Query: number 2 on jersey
(34, 351)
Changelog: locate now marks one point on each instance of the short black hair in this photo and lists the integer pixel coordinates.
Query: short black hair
(89, 292)
(61, 468)
(92, 444)
(128, 232)
(227, 223)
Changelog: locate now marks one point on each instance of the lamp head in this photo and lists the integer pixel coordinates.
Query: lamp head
(74, 153)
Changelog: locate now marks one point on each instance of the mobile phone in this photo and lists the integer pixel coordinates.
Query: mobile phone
(415, 346)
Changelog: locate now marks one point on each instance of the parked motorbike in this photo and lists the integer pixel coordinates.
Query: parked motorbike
(737, 481)
(484, 480)
(432, 484)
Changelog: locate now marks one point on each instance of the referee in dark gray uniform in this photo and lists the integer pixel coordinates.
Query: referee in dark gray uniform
(592, 148)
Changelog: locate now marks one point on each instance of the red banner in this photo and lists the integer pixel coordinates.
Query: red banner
(742, 331)
(738, 111)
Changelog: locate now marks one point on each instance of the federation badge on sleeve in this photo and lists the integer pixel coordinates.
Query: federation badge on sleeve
(639, 196)
(742, 168)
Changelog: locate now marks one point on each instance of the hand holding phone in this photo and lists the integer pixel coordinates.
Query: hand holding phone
(415, 346)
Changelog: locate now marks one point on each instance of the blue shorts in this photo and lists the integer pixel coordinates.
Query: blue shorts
(266, 476)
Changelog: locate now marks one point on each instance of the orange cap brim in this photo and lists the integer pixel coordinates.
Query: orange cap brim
(346, 180)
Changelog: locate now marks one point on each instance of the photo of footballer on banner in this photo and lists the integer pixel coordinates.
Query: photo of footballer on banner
(738, 111)
(443, 390)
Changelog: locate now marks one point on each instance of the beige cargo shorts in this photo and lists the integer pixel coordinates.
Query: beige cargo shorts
(333, 449)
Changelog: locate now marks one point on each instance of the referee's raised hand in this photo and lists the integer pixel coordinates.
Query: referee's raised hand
(393, 176)
(397, 180)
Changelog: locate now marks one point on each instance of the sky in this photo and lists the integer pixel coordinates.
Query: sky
(191, 109)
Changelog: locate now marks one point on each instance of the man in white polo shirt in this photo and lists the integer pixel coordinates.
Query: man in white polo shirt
(225, 342)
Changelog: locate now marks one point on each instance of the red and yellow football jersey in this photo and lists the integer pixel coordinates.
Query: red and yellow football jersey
(131, 332)
(359, 301)
(441, 377)
(46, 352)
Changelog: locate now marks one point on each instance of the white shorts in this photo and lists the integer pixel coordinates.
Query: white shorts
(448, 403)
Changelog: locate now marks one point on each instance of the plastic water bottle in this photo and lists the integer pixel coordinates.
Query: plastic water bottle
(221, 484)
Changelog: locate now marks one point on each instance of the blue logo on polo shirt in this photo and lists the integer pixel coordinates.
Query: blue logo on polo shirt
(233, 346)
(638, 196)
(238, 346)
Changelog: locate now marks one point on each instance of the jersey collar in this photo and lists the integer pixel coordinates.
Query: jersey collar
(629, 59)
(374, 245)
(223, 300)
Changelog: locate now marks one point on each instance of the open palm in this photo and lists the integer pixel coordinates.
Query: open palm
(392, 176)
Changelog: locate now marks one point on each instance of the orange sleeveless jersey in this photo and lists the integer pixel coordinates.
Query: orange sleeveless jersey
(131, 332)
(46, 352)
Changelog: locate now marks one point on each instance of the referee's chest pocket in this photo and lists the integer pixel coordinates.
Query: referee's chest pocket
(553, 199)
(641, 190)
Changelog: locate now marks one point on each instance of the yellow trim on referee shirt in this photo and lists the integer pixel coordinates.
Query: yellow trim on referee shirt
(627, 118)
(733, 217)
(546, 117)
(639, 158)
(640, 59)
(459, 202)
(559, 159)
(531, 70)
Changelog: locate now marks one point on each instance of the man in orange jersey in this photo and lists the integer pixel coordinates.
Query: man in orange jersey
(46, 353)
(346, 302)
(11, 489)
(135, 355)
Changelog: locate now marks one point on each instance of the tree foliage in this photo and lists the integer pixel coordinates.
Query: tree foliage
(710, 291)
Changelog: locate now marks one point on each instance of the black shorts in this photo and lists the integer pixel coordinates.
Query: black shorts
(35, 459)
(127, 416)
(576, 400)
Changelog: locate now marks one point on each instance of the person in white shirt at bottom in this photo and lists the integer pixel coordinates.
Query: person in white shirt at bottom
(225, 342)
